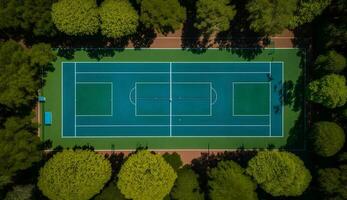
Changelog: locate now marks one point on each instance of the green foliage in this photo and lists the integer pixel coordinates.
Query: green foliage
(162, 15)
(20, 192)
(76, 17)
(20, 72)
(118, 18)
(174, 160)
(111, 192)
(330, 91)
(327, 138)
(214, 15)
(18, 147)
(30, 15)
(333, 181)
(331, 62)
(307, 10)
(146, 176)
(186, 186)
(74, 175)
(269, 17)
(279, 173)
(229, 182)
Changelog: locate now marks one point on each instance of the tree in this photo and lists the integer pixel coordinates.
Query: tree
(214, 15)
(307, 10)
(162, 15)
(229, 181)
(36, 17)
(20, 192)
(76, 17)
(186, 186)
(111, 192)
(146, 176)
(331, 62)
(118, 18)
(330, 91)
(77, 175)
(327, 138)
(33, 16)
(333, 181)
(269, 17)
(20, 72)
(18, 147)
(173, 159)
(279, 173)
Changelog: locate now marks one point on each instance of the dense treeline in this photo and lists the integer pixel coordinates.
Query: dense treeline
(27, 173)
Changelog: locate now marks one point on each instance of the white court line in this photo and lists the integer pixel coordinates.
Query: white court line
(185, 72)
(200, 73)
(191, 136)
(75, 101)
(130, 99)
(270, 102)
(62, 100)
(158, 62)
(170, 101)
(168, 125)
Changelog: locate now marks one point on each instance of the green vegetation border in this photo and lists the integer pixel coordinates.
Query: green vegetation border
(294, 120)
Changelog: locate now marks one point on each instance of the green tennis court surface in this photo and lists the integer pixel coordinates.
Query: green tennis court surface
(176, 99)
(172, 99)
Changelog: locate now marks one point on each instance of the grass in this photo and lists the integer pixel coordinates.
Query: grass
(292, 120)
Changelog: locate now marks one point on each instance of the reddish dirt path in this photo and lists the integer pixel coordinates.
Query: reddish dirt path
(174, 40)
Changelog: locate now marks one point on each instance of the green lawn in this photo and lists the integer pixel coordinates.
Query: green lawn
(293, 121)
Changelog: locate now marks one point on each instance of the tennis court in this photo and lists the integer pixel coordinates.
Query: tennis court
(172, 99)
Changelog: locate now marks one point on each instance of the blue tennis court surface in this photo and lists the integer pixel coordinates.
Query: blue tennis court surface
(172, 99)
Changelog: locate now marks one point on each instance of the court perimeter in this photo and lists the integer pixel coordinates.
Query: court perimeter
(183, 101)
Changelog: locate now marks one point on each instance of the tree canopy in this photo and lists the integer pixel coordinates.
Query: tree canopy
(327, 138)
(307, 10)
(76, 17)
(279, 173)
(162, 15)
(118, 18)
(333, 181)
(229, 182)
(214, 15)
(20, 72)
(269, 17)
(20, 192)
(331, 62)
(146, 176)
(18, 147)
(330, 91)
(186, 186)
(29, 15)
(77, 175)
(173, 159)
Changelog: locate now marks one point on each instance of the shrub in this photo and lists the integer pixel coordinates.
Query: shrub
(229, 182)
(146, 176)
(76, 17)
(118, 18)
(174, 160)
(279, 173)
(330, 91)
(186, 186)
(327, 138)
(162, 15)
(331, 62)
(77, 175)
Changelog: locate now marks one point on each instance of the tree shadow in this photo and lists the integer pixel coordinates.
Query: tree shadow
(239, 39)
(193, 39)
(143, 38)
